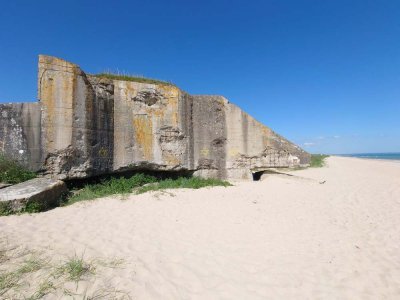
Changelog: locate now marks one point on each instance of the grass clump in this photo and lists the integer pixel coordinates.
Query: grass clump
(30, 275)
(30, 207)
(128, 77)
(13, 172)
(110, 187)
(8, 281)
(35, 206)
(140, 183)
(45, 288)
(30, 265)
(183, 183)
(75, 268)
(5, 208)
(317, 160)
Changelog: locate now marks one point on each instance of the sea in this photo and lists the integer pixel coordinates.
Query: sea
(391, 156)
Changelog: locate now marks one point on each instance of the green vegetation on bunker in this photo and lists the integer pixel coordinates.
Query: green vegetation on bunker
(139, 183)
(317, 160)
(183, 183)
(12, 172)
(135, 78)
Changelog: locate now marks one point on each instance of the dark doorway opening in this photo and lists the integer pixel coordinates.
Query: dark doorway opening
(257, 175)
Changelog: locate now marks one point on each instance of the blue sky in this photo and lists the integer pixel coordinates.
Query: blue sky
(324, 74)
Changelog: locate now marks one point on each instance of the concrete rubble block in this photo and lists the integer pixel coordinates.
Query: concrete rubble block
(37, 194)
(4, 185)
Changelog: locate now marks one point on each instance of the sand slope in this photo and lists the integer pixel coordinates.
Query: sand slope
(280, 238)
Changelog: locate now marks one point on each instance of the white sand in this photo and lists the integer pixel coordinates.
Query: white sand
(280, 238)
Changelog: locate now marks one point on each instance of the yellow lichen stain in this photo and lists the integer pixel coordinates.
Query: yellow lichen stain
(265, 130)
(103, 152)
(170, 91)
(159, 113)
(175, 118)
(233, 152)
(172, 94)
(171, 159)
(70, 84)
(204, 152)
(174, 108)
(46, 97)
(143, 127)
(222, 102)
(173, 101)
(129, 91)
(57, 86)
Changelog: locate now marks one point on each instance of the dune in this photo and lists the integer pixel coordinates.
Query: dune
(324, 233)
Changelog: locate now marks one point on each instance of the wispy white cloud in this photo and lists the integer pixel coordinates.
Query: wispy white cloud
(320, 138)
(308, 144)
(336, 136)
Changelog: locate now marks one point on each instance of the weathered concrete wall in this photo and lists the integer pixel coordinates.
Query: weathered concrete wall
(20, 133)
(231, 144)
(151, 129)
(253, 146)
(86, 126)
(77, 120)
(209, 136)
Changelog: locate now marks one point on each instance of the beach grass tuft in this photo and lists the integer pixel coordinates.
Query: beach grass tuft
(75, 268)
(44, 288)
(30, 275)
(12, 279)
(8, 280)
(317, 160)
(32, 264)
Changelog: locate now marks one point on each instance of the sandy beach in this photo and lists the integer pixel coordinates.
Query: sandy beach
(325, 233)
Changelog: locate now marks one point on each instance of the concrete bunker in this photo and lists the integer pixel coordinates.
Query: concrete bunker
(87, 125)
